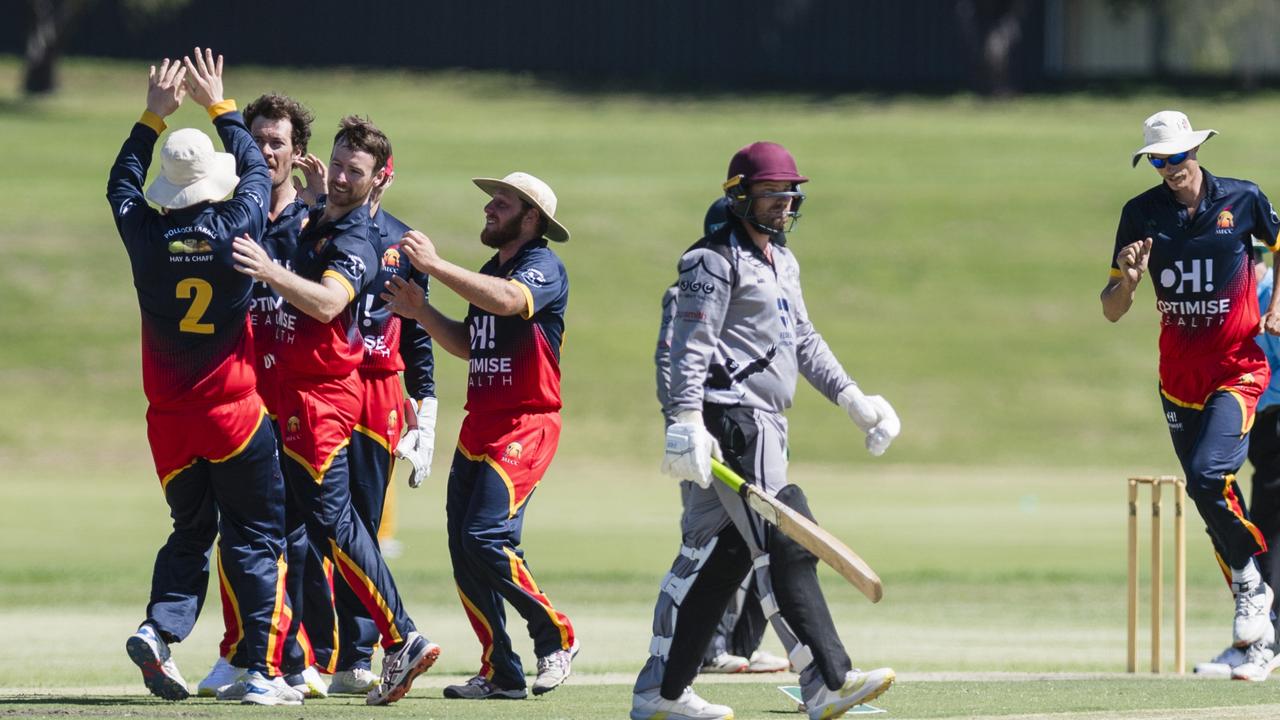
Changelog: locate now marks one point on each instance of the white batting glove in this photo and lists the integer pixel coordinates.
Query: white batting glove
(690, 449)
(418, 445)
(873, 415)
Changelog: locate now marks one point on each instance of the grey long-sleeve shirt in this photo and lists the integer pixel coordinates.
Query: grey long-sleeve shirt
(740, 336)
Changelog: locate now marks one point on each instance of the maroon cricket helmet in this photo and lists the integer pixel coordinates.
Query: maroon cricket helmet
(764, 161)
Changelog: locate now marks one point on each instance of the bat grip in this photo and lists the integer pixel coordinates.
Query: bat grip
(727, 476)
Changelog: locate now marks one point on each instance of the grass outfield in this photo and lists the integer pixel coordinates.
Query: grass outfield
(1057, 698)
(953, 251)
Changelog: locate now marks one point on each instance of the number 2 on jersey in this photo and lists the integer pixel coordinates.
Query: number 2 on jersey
(201, 293)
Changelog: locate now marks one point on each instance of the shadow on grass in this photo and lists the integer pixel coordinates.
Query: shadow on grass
(9, 706)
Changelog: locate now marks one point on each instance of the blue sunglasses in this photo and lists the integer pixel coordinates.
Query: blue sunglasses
(1158, 163)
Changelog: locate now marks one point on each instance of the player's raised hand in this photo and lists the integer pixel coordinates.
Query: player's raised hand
(204, 77)
(165, 90)
(404, 297)
(1132, 261)
(315, 177)
(420, 250)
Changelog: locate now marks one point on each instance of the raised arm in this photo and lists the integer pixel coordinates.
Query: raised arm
(408, 300)
(165, 92)
(1117, 296)
(491, 294)
(322, 300)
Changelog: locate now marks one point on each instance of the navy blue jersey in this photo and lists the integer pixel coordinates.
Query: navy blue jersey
(343, 250)
(196, 344)
(390, 344)
(1200, 265)
(515, 359)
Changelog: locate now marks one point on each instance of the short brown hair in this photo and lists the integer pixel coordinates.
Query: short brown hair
(282, 107)
(360, 133)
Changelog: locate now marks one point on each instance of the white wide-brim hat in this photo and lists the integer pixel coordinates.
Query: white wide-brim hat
(1169, 132)
(533, 191)
(191, 171)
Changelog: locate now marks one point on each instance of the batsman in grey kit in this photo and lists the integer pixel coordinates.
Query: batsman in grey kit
(739, 337)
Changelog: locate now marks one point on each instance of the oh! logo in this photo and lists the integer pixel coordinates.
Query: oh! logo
(483, 332)
(1189, 276)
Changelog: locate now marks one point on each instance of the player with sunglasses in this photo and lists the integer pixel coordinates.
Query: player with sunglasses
(1193, 233)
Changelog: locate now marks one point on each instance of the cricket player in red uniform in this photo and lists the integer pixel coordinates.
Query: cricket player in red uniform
(390, 346)
(209, 434)
(281, 128)
(511, 340)
(319, 348)
(1193, 233)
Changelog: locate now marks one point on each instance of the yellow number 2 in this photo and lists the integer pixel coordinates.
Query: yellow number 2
(200, 292)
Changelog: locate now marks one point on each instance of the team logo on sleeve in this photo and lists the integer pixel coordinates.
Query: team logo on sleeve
(533, 276)
(1226, 222)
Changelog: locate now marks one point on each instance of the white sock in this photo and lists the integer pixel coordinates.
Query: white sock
(1246, 578)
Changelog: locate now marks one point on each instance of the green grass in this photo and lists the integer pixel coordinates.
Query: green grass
(1062, 699)
(952, 250)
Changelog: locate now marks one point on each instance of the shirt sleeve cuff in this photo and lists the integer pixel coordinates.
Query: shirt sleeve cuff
(221, 108)
(153, 121)
(527, 312)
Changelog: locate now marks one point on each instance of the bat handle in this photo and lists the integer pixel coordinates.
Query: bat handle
(727, 476)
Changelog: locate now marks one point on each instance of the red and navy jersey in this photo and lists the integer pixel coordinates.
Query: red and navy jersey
(515, 360)
(1200, 265)
(280, 240)
(390, 344)
(342, 250)
(197, 348)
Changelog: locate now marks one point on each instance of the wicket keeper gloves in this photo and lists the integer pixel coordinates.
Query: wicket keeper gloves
(419, 442)
(873, 415)
(690, 449)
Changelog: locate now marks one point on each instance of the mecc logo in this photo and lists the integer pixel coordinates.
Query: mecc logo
(694, 286)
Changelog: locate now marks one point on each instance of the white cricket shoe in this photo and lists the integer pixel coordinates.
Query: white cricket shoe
(1253, 617)
(554, 669)
(258, 690)
(479, 688)
(1222, 665)
(254, 688)
(766, 662)
(650, 705)
(220, 676)
(415, 656)
(160, 673)
(725, 663)
(1260, 660)
(356, 681)
(308, 683)
(859, 687)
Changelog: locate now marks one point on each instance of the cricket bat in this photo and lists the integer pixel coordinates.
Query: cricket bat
(826, 546)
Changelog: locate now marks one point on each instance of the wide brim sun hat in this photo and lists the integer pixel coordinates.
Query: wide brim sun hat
(533, 191)
(191, 171)
(1169, 132)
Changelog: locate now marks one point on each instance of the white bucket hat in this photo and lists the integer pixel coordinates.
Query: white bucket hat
(191, 171)
(533, 191)
(1169, 132)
